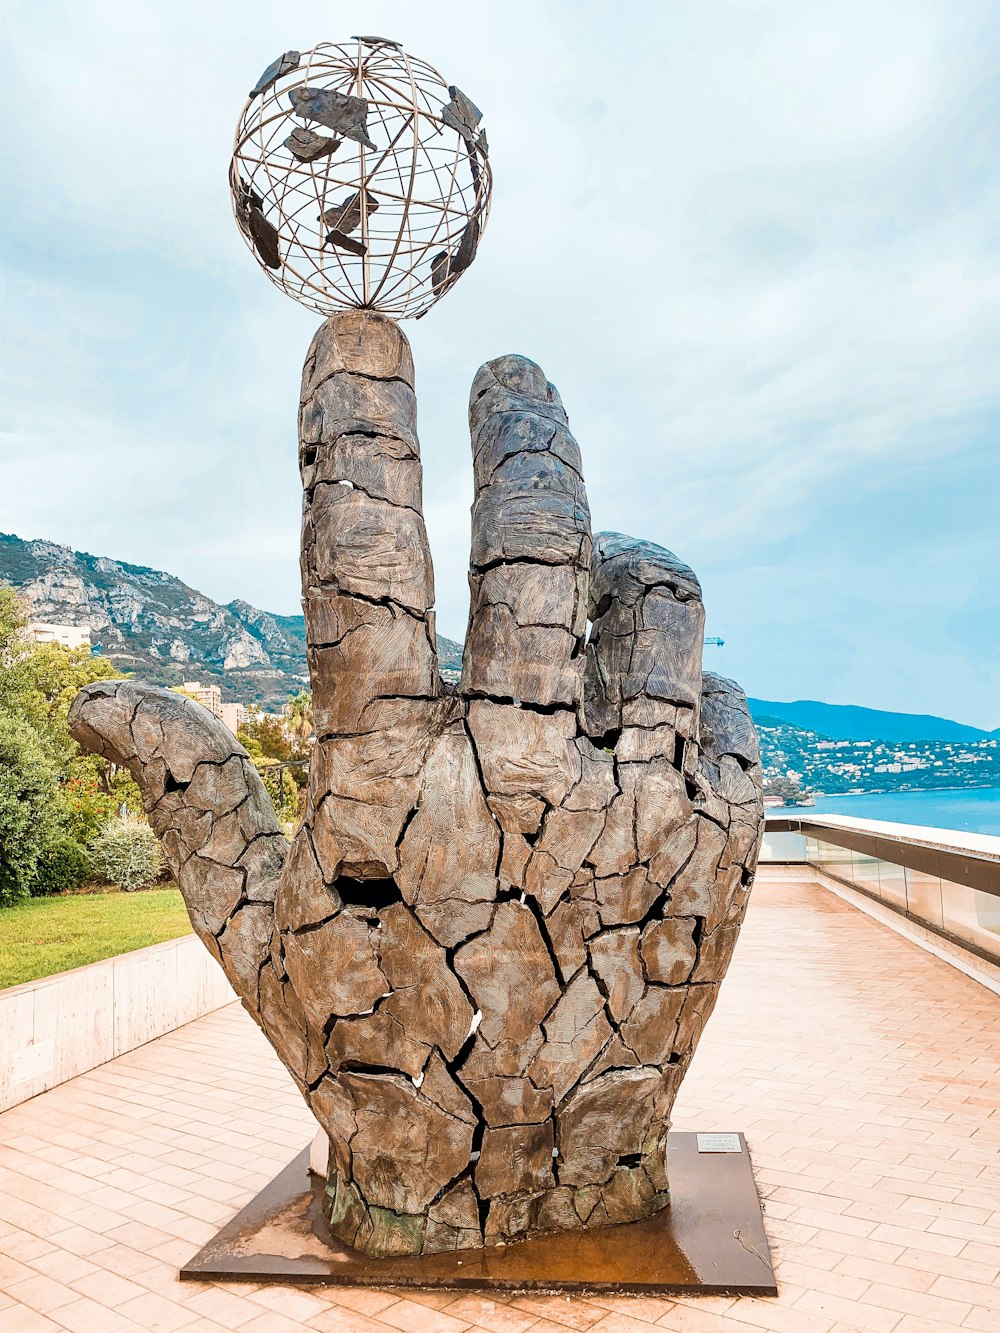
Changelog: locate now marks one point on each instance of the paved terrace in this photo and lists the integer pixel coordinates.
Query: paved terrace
(864, 1071)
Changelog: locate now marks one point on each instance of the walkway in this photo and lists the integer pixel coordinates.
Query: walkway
(865, 1073)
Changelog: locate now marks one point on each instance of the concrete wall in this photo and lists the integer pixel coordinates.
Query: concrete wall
(58, 1027)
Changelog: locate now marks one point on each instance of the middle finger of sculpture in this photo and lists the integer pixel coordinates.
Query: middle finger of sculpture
(488, 955)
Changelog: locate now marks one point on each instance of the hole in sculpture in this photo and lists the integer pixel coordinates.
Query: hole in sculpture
(609, 741)
(375, 893)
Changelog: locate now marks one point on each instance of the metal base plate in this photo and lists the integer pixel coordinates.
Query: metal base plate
(710, 1240)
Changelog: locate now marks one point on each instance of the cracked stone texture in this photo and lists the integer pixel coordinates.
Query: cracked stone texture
(489, 954)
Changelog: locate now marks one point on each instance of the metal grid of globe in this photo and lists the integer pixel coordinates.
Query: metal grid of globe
(360, 178)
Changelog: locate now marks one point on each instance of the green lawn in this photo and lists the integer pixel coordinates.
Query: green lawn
(46, 935)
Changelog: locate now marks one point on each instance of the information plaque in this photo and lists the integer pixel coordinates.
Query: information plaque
(719, 1143)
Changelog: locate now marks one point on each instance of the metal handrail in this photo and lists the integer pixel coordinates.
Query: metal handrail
(972, 868)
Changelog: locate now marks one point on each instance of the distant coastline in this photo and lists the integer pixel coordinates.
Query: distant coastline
(901, 791)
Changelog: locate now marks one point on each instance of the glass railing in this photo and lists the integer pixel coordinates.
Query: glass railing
(948, 882)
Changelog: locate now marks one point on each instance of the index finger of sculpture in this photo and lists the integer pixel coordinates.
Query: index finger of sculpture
(643, 670)
(530, 559)
(367, 581)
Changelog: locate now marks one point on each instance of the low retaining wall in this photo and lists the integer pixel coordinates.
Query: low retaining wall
(60, 1026)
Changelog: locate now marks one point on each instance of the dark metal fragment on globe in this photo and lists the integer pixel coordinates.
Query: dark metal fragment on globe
(283, 65)
(254, 224)
(345, 216)
(249, 198)
(446, 267)
(461, 114)
(307, 146)
(340, 112)
(265, 238)
(376, 41)
(440, 269)
(345, 242)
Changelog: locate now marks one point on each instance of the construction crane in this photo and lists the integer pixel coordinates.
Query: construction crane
(716, 642)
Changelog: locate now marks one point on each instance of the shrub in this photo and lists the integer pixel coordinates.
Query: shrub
(86, 807)
(28, 799)
(126, 853)
(280, 786)
(63, 866)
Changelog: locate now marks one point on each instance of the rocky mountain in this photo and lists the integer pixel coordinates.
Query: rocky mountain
(156, 627)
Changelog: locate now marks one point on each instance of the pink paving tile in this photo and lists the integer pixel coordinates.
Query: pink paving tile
(921, 1324)
(411, 1317)
(225, 1308)
(986, 1297)
(362, 1300)
(23, 1245)
(339, 1320)
(22, 1319)
(621, 1323)
(291, 1301)
(919, 1303)
(108, 1288)
(40, 1293)
(565, 1311)
(66, 1267)
(271, 1322)
(981, 1321)
(776, 1318)
(488, 1313)
(647, 1308)
(86, 1316)
(156, 1313)
(852, 1313)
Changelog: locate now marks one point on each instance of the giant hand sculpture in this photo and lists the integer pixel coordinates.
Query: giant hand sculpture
(489, 953)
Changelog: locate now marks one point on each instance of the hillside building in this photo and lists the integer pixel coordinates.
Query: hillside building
(210, 696)
(71, 636)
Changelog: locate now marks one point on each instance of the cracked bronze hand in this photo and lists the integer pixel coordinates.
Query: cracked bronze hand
(489, 954)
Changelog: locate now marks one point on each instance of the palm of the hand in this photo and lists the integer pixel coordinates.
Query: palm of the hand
(499, 932)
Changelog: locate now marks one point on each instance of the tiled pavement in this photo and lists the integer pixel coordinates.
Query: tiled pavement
(865, 1073)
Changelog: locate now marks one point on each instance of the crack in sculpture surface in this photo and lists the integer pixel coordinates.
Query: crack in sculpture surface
(489, 953)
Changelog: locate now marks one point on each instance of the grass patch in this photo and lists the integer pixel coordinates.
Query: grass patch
(47, 935)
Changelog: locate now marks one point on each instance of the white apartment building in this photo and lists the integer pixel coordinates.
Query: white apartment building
(232, 715)
(72, 636)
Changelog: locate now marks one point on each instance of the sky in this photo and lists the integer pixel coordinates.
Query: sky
(754, 243)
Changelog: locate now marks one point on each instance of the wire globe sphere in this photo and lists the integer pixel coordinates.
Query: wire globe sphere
(360, 178)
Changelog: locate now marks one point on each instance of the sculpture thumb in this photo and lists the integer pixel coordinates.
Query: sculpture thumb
(207, 805)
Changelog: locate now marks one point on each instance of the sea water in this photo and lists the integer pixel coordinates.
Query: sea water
(971, 809)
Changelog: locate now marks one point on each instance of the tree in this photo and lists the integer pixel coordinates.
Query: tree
(788, 788)
(268, 735)
(300, 712)
(53, 793)
(29, 817)
(278, 780)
